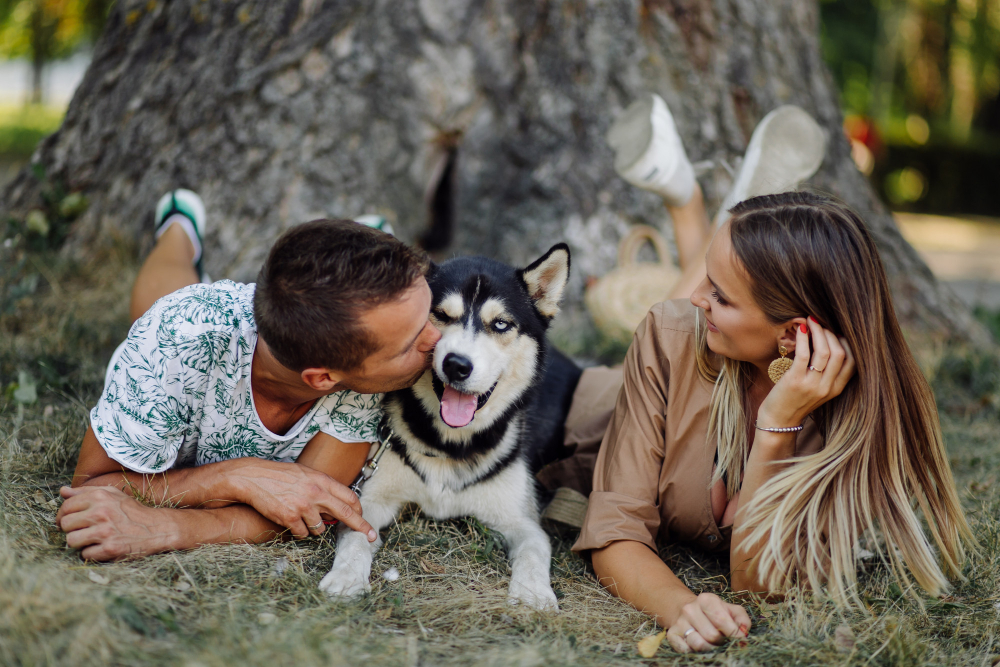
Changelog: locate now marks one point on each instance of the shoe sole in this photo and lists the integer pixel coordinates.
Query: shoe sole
(641, 136)
(786, 148)
(631, 133)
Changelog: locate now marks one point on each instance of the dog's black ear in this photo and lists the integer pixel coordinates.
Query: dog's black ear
(545, 279)
(432, 268)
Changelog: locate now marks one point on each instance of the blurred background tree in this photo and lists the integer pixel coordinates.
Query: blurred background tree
(918, 82)
(44, 30)
(920, 87)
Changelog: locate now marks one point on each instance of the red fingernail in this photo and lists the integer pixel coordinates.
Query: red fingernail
(743, 629)
(814, 319)
(330, 522)
(803, 329)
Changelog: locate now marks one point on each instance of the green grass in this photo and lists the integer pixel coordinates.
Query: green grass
(22, 127)
(226, 605)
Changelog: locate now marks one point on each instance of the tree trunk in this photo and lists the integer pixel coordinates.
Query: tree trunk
(476, 126)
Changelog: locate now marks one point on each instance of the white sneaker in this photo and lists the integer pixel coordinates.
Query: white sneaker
(375, 221)
(649, 153)
(786, 148)
(185, 208)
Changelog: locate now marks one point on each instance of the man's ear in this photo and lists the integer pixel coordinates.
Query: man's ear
(545, 279)
(789, 333)
(321, 379)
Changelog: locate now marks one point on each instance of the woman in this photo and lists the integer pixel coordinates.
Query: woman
(703, 447)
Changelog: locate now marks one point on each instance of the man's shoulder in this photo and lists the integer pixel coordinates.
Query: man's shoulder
(350, 416)
(220, 305)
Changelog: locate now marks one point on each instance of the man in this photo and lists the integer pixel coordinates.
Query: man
(238, 413)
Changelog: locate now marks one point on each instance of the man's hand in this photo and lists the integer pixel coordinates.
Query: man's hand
(295, 496)
(106, 524)
(261, 496)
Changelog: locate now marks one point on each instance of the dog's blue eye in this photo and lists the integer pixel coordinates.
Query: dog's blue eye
(500, 325)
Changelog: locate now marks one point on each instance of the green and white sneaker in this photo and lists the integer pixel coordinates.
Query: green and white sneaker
(375, 221)
(648, 151)
(786, 148)
(185, 208)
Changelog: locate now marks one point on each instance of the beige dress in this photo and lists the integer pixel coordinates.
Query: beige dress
(652, 473)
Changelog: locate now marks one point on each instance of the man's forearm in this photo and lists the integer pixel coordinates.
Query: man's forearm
(206, 487)
(106, 524)
(233, 524)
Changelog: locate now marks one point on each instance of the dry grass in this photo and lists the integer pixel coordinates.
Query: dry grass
(226, 605)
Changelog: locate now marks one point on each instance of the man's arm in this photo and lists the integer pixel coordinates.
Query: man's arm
(107, 523)
(291, 495)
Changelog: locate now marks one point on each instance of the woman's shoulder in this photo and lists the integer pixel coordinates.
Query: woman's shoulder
(669, 335)
(675, 315)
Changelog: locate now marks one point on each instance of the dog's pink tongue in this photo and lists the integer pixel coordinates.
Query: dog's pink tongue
(457, 409)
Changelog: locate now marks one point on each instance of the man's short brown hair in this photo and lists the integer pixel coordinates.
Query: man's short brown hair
(318, 279)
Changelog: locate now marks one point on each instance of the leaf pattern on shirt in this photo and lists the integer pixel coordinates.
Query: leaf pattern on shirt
(234, 443)
(182, 378)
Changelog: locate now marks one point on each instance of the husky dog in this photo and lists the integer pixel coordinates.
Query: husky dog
(469, 436)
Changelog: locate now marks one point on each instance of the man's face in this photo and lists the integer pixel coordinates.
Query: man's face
(405, 339)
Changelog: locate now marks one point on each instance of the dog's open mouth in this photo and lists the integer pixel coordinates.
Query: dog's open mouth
(458, 409)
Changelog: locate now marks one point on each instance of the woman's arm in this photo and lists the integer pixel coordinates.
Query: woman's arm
(767, 450)
(814, 378)
(632, 571)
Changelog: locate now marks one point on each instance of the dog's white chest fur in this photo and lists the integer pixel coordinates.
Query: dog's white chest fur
(504, 502)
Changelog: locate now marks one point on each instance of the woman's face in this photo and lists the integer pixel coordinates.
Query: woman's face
(737, 327)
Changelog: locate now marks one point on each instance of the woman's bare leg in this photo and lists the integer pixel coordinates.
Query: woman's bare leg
(168, 268)
(692, 228)
(692, 233)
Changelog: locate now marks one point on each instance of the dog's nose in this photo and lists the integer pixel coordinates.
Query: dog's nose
(456, 367)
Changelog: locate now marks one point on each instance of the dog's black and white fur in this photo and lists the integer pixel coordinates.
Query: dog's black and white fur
(493, 366)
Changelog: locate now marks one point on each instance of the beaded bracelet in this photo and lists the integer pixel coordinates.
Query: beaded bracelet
(780, 429)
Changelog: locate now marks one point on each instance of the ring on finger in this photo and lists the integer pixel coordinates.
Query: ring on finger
(316, 527)
(818, 370)
(687, 633)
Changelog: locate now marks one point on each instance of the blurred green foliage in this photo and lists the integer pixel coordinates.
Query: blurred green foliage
(22, 127)
(920, 86)
(921, 68)
(43, 30)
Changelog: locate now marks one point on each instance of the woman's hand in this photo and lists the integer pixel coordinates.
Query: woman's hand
(811, 381)
(707, 622)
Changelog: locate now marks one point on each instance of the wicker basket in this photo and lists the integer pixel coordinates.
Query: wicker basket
(619, 301)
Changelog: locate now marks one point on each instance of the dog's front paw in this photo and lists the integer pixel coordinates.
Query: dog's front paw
(343, 582)
(537, 595)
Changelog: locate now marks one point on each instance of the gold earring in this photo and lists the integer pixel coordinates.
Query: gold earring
(780, 366)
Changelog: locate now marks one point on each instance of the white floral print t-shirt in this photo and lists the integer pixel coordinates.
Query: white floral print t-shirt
(177, 391)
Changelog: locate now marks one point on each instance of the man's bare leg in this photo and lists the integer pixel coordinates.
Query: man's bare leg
(168, 268)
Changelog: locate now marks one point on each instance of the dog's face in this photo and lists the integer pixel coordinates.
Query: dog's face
(493, 320)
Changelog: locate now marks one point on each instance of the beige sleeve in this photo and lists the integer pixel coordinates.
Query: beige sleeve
(624, 504)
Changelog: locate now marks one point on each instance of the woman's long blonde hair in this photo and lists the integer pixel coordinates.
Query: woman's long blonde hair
(806, 254)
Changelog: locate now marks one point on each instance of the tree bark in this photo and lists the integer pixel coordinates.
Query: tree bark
(476, 126)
